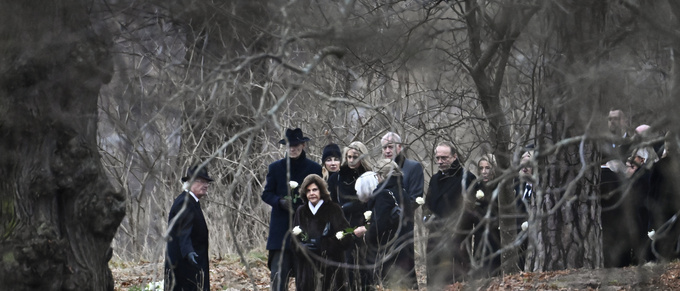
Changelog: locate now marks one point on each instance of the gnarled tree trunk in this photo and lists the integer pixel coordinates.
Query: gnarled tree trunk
(58, 210)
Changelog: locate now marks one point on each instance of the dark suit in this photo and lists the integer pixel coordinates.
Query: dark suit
(664, 204)
(447, 259)
(189, 234)
(277, 187)
(380, 236)
(413, 182)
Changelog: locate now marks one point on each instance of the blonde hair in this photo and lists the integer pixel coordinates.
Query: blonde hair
(387, 168)
(365, 159)
(489, 158)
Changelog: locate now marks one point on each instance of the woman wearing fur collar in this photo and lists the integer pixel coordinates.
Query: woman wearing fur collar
(318, 223)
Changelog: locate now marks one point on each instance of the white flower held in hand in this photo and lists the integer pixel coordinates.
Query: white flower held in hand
(293, 184)
(297, 230)
(651, 234)
(339, 235)
(368, 214)
(479, 195)
(525, 225)
(420, 200)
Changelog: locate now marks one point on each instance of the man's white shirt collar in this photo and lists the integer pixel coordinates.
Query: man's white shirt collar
(192, 195)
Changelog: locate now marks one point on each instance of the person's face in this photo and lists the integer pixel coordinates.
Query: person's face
(444, 158)
(313, 194)
(485, 171)
(199, 187)
(353, 158)
(528, 170)
(616, 122)
(332, 164)
(630, 169)
(295, 151)
(639, 160)
(390, 149)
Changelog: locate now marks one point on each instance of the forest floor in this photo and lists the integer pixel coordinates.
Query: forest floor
(230, 274)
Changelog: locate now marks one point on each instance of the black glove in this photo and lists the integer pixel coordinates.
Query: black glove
(285, 204)
(311, 245)
(192, 256)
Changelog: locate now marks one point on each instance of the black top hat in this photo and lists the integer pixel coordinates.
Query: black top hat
(294, 137)
(331, 150)
(202, 173)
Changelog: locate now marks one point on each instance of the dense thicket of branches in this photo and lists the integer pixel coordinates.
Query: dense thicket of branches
(209, 81)
(489, 76)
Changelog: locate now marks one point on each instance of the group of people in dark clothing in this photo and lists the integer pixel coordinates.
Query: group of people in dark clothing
(348, 223)
(639, 187)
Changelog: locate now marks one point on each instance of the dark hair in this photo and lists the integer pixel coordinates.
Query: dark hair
(331, 150)
(320, 182)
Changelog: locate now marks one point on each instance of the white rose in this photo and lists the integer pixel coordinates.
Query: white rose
(651, 234)
(420, 200)
(293, 184)
(479, 194)
(368, 214)
(339, 235)
(525, 225)
(297, 230)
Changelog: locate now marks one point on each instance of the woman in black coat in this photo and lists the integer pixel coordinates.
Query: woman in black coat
(487, 239)
(355, 162)
(383, 231)
(319, 226)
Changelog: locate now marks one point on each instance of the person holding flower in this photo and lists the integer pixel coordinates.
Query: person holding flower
(281, 193)
(356, 160)
(319, 229)
(447, 259)
(487, 239)
(384, 233)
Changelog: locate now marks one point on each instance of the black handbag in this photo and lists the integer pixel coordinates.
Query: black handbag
(396, 212)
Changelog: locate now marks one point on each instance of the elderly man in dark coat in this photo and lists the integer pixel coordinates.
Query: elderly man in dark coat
(186, 261)
(282, 195)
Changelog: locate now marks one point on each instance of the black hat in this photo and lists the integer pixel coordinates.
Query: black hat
(294, 137)
(331, 150)
(202, 173)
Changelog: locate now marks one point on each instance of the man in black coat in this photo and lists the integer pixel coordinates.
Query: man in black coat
(186, 261)
(280, 194)
(447, 259)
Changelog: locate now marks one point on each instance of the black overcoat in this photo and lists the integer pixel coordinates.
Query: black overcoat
(341, 187)
(189, 233)
(276, 188)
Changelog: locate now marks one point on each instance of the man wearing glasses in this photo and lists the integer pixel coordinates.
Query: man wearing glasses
(447, 260)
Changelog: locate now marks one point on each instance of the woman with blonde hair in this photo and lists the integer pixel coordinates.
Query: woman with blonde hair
(356, 161)
(385, 232)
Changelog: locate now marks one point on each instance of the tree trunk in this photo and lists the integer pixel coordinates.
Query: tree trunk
(59, 212)
(565, 230)
(565, 226)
